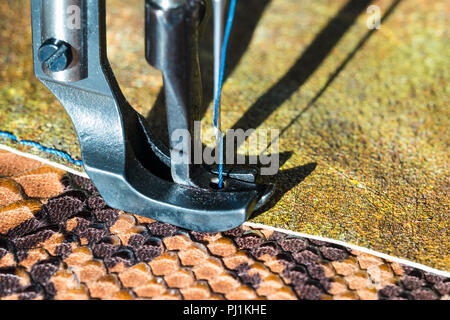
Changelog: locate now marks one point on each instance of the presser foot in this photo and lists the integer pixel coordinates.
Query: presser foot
(131, 169)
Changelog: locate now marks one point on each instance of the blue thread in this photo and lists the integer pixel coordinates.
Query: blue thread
(219, 91)
(29, 143)
(4, 134)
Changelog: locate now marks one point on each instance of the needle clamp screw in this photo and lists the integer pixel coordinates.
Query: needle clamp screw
(55, 55)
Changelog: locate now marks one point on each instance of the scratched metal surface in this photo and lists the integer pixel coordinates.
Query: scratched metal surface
(363, 115)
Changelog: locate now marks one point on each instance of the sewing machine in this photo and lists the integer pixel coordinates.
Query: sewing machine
(131, 169)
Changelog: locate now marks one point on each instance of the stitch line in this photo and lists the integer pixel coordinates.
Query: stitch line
(34, 144)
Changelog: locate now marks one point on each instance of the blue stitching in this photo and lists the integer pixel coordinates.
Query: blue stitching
(56, 152)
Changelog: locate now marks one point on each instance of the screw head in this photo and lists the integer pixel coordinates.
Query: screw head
(55, 54)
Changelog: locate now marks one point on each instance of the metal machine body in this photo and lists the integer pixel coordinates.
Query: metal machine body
(130, 168)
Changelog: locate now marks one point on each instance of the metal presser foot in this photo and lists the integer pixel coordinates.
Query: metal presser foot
(132, 171)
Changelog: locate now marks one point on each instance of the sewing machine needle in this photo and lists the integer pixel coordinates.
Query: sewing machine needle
(219, 9)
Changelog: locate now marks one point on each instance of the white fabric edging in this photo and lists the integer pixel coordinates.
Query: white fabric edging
(354, 247)
(261, 226)
(37, 158)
